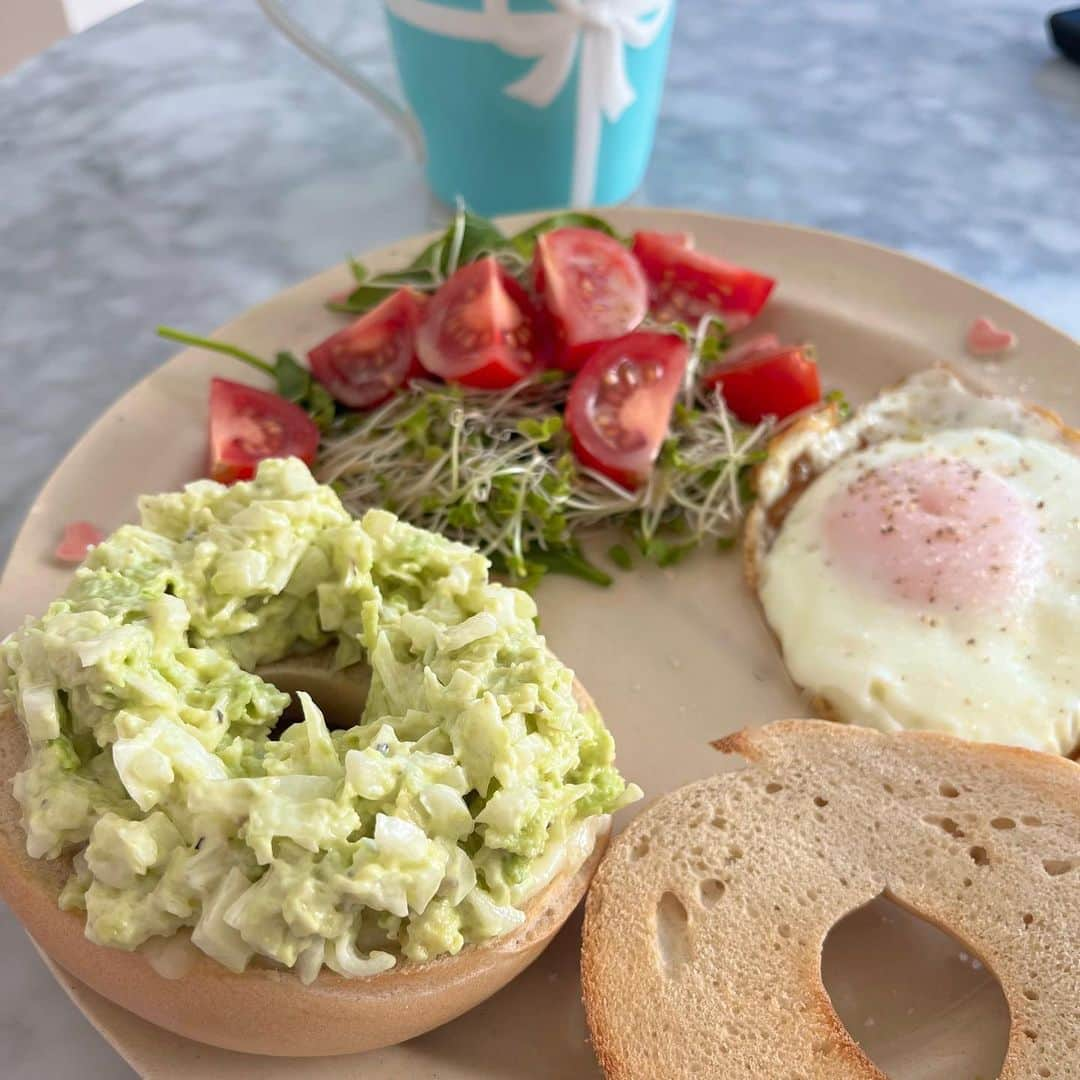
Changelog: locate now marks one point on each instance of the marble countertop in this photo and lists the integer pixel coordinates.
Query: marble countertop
(180, 162)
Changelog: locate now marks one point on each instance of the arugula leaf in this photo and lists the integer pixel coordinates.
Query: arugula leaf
(467, 238)
(321, 406)
(362, 299)
(479, 237)
(621, 557)
(417, 279)
(293, 381)
(374, 290)
(525, 241)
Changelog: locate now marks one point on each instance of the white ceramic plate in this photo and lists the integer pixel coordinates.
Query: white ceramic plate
(674, 657)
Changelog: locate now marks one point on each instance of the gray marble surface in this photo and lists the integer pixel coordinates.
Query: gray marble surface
(180, 162)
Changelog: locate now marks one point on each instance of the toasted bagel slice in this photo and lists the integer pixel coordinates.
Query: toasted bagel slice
(705, 923)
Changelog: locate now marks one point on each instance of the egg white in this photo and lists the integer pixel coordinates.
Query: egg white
(1011, 676)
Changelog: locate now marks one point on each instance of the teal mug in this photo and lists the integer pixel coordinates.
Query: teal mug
(520, 104)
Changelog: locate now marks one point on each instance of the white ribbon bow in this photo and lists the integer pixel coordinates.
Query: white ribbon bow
(602, 28)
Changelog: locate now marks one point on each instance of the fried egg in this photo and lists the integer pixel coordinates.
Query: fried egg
(919, 563)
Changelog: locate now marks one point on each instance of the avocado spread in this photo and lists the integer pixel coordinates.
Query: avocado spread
(157, 759)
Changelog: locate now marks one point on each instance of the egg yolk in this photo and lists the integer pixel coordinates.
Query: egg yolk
(936, 531)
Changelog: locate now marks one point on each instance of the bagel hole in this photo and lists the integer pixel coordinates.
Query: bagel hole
(891, 975)
(340, 695)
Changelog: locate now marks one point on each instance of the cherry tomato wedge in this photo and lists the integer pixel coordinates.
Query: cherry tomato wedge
(767, 381)
(685, 284)
(619, 407)
(247, 425)
(368, 360)
(592, 290)
(479, 329)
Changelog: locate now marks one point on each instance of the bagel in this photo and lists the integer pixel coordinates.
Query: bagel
(705, 924)
(263, 1010)
(153, 800)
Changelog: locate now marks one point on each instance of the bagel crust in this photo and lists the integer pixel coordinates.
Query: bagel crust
(702, 954)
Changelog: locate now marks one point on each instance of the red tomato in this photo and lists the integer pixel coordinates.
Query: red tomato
(767, 382)
(247, 425)
(685, 284)
(368, 360)
(592, 289)
(620, 403)
(479, 329)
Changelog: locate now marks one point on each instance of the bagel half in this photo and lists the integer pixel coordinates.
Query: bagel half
(263, 1010)
(705, 923)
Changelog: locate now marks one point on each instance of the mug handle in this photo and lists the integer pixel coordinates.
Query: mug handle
(393, 110)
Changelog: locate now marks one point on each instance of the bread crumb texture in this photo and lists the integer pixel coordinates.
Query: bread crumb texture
(705, 924)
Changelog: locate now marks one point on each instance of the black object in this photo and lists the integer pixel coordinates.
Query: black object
(1064, 27)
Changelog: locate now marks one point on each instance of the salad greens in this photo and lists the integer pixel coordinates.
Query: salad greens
(467, 238)
(294, 381)
(495, 469)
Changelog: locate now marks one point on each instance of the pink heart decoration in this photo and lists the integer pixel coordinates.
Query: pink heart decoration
(79, 537)
(986, 339)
